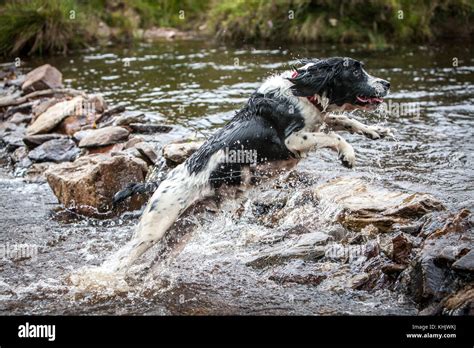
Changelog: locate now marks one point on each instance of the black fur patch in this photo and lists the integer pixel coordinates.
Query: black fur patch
(262, 125)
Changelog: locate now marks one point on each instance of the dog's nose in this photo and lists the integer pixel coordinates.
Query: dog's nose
(386, 84)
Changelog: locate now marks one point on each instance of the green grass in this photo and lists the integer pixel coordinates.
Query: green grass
(45, 26)
(371, 22)
(36, 26)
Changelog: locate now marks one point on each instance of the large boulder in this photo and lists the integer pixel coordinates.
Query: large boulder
(362, 204)
(43, 77)
(54, 115)
(104, 136)
(89, 184)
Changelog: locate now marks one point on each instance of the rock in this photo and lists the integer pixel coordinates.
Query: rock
(393, 268)
(42, 106)
(33, 141)
(103, 31)
(128, 117)
(163, 33)
(12, 135)
(309, 246)
(35, 172)
(176, 153)
(97, 103)
(105, 117)
(54, 115)
(460, 303)
(132, 142)
(17, 82)
(401, 249)
(88, 184)
(299, 272)
(465, 263)
(451, 253)
(56, 150)
(20, 118)
(24, 108)
(359, 280)
(43, 77)
(150, 128)
(147, 152)
(431, 275)
(362, 204)
(78, 136)
(106, 149)
(85, 117)
(104, 136)
(19, 154)
(269, 201)
(71, 125)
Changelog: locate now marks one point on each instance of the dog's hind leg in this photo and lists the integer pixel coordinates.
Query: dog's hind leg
(174, 195)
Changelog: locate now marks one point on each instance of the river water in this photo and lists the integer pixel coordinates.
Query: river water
(197, 86)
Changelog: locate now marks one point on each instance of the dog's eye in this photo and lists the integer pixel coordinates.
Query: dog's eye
(356, 72)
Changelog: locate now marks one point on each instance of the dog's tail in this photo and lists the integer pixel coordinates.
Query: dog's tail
(158, 174)
(176, 193)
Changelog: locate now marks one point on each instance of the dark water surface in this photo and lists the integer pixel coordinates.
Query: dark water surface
(199, 86)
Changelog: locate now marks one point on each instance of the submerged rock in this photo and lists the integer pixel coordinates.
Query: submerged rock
(55, 150)
(309, 246)
(43, 77)
(88, 184)
(362, 204)
(104, 136)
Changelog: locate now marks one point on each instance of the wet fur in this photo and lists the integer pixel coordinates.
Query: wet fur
(280, 123)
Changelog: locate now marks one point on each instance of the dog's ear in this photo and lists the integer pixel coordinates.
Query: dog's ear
(316, 79)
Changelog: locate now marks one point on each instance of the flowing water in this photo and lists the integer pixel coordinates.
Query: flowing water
(197, 86)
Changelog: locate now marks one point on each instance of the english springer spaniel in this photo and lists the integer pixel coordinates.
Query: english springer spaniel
(288, 116)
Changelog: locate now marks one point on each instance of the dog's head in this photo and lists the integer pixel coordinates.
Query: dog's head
(343, 81)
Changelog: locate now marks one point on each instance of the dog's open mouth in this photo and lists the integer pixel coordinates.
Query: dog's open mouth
(368, 100)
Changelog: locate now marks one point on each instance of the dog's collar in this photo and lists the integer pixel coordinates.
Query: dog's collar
(311, 99)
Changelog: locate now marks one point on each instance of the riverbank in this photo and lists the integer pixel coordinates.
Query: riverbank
(47, 27)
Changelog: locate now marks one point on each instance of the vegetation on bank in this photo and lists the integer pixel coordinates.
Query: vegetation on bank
(55, 26)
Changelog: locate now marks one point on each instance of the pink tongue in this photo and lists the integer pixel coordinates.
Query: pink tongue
(369, 100)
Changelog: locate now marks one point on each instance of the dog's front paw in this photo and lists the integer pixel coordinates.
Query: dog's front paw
(348, 157)
(376, 132)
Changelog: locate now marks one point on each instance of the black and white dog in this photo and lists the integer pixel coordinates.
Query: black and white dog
(289, 115)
